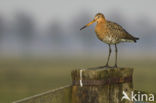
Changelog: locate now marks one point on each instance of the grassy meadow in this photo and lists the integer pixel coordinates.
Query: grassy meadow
(20, 78)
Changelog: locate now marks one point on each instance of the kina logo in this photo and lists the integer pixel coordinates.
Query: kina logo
(125, 96)
(138, 97)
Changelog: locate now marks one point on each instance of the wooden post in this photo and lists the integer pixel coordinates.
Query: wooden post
(104, 85)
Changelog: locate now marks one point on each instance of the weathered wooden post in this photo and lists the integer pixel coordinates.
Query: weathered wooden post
(104, 85)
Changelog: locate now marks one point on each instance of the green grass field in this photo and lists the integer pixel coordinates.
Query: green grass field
(22, 78)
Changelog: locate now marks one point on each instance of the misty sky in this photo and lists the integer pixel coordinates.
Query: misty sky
(44, 10)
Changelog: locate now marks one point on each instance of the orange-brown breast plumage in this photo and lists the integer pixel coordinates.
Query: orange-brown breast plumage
(101, 30)
(112, 33)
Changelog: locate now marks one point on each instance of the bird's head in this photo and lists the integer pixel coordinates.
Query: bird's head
(99, 17)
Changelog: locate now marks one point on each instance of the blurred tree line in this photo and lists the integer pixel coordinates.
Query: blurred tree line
(59, 38)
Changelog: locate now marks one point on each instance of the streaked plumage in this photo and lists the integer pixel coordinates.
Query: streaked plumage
(110, 33)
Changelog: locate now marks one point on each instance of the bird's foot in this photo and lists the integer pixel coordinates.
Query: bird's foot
(115, 66)
(106, 66)
(101, 67)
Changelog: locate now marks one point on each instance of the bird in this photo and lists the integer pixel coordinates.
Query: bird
(110, 33)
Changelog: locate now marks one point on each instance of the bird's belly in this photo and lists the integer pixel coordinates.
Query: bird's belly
(109, 39)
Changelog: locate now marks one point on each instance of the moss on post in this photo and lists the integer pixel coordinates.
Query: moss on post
(104, 85)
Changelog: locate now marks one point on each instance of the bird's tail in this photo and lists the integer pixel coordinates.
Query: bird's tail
(135, 39)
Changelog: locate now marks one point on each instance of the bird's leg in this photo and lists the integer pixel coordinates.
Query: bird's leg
(100, 67)
(108, 56)
(116, 52)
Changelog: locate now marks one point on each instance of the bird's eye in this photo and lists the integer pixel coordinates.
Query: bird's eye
(97, 17)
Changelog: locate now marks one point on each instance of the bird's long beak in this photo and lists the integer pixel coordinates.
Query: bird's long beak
(88, 24)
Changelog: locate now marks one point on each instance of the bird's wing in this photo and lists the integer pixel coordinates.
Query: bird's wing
(119, 31)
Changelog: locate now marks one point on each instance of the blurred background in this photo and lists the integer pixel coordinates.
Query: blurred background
(40, 43)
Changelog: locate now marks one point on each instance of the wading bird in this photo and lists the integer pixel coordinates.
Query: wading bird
(110, 33)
